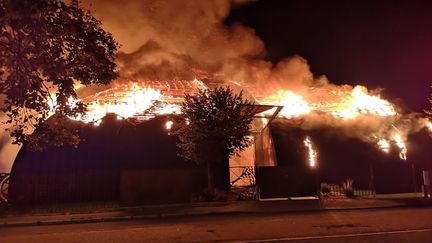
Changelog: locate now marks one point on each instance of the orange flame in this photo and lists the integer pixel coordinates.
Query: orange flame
(360, 102)
(429, 126)
(312, 154)
(132, 100)
(168, 125)
(349, 105)
(294, 104)
(402, 147)
(145, 102)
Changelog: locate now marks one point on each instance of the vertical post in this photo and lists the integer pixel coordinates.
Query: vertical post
(371, 179)
(257, 182)
(317, 183)
(413, 175)
(426, 184)
(210, 179)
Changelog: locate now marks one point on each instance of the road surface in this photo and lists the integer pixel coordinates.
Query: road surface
(367, 225)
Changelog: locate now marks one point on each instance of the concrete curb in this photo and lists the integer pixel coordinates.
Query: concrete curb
(213, 210)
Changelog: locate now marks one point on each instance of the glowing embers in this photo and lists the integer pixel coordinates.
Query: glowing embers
(168, 125)
(384, 145)
(294, 104)
(402, 147)
(312, 154)
(429, 126)
(360, 102)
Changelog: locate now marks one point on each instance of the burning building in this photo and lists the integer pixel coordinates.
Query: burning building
(324, 132)
(126, 149)
(128, 154)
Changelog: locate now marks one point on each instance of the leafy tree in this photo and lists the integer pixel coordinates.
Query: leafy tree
(46, 48)
(214, 125)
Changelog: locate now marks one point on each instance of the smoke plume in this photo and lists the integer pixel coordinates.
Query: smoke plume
(171, 39)
(167, 39)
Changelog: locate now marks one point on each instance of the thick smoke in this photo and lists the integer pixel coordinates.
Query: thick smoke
(168, 39)
(171, 39)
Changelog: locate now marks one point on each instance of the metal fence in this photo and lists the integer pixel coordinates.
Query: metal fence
(334, 190)
(4, 187)
(243, 182)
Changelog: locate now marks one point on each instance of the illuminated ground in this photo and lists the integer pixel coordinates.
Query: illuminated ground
(376, 225)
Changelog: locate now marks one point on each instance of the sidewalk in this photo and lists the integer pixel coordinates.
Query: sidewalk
(14, 219)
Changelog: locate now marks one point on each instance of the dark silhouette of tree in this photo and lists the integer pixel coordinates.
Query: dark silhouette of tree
(213, 126)
(47, 47)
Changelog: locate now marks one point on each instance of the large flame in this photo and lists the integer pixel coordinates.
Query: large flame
(345, 106)
(294, 104)
(348, 105)
(140, 101)
(135, 100)
(360, 102)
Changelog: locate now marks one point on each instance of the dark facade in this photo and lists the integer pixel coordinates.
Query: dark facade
(93, 171)
(137, 163)
(340, 158)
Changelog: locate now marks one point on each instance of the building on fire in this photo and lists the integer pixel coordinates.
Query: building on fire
(127, 155)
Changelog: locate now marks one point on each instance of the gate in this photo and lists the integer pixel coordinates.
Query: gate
(243, 181)
(4, 187)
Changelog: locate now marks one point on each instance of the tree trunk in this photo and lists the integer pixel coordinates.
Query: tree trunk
(222, 172)
(217, 160)
(210, 179)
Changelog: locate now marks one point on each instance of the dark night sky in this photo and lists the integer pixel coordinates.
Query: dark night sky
(381, 44)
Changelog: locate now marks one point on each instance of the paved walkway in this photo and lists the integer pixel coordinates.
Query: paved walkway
(81, 214)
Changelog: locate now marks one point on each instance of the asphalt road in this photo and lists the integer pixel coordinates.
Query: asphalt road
(367, 225)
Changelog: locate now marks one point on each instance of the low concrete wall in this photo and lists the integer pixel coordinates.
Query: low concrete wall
(286, 181)
(156, 186)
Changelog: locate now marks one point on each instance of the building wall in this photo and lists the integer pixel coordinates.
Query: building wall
(92, 171)
(161, 186)
(340, 158)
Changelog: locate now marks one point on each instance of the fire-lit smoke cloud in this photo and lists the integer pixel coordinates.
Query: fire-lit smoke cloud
(167, 39)
(171, 39)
